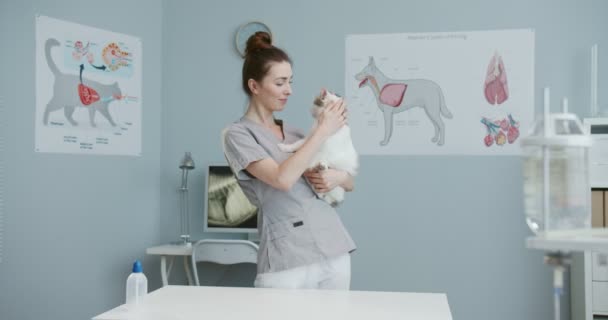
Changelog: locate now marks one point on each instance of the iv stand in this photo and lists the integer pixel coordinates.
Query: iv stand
(559, 261)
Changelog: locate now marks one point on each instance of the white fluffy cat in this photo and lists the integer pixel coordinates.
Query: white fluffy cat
(337, 152)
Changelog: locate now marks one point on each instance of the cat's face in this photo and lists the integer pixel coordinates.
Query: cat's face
(323, 100)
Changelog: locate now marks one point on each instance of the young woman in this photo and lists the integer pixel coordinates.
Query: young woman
(303, 243)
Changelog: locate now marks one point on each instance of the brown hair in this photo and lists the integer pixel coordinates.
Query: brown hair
(258, 55)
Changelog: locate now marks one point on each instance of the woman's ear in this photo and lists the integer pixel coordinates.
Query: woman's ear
(253, 86)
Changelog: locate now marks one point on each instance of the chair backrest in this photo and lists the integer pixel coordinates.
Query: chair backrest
(223, 251)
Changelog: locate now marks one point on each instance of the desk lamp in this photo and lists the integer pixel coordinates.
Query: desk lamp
(186, 165)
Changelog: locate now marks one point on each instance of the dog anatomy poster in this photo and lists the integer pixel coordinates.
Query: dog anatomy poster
(468, 93)
(88, 90)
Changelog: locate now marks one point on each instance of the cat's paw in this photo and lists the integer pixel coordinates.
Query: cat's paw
(284, 147)
(331, 200)
(321, 166)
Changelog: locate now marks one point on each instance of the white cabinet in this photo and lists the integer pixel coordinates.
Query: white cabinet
(599, 285)
(600, 266)
(589, 275)
(600, 297)
(599, 261)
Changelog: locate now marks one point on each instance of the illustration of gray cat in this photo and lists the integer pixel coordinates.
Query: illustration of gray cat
(70, 91)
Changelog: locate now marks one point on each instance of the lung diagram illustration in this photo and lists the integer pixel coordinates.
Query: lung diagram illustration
(394, 96)
(496, 88)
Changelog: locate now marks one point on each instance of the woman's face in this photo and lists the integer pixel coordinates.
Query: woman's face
(273, 91)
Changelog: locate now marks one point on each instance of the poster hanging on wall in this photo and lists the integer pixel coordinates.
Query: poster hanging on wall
(469, 93)
(88, 90)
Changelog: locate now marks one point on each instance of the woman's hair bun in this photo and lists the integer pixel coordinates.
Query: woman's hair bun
(258, 41)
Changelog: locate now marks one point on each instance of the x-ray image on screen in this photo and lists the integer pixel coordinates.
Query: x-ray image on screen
(228, 209)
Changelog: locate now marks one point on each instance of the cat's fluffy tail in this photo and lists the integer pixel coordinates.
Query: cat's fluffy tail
(50, 43)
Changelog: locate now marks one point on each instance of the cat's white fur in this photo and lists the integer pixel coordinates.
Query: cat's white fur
(337, 152)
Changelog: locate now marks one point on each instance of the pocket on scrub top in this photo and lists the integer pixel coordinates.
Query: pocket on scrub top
(294, 228)
(290, 244)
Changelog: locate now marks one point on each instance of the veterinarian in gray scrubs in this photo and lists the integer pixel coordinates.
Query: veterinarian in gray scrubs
(303, 243)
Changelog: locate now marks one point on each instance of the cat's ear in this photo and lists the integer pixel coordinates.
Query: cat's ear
(323, 93)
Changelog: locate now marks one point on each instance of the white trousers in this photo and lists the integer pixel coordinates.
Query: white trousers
(333, 274)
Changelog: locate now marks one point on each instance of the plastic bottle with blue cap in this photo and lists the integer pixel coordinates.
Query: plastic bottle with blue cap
(137, 285)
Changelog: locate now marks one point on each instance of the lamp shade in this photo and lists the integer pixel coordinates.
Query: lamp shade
(187, 162)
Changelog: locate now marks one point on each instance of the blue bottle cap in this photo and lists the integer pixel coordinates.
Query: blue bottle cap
(137, 267)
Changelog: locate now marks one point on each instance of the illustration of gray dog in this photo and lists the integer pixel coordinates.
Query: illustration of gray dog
(394, 96)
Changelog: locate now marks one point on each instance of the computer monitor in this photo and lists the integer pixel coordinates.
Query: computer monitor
(226, 207)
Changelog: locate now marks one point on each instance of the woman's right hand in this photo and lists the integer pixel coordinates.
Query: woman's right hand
(332, 118)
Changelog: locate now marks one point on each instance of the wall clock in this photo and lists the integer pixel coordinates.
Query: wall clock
(245, 31)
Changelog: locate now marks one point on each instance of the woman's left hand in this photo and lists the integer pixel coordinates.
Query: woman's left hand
(325, 180)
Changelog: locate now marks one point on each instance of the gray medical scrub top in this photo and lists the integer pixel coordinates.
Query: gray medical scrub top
(296, 228)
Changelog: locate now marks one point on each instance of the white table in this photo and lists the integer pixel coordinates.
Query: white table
(169, 251)
(229, 303)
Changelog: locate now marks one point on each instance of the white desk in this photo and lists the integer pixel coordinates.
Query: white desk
(169, 251)
(224, 303)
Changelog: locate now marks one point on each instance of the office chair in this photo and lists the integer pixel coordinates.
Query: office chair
(223, 251)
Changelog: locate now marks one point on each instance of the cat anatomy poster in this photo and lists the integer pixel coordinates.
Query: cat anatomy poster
(88, 90)
(468, 93)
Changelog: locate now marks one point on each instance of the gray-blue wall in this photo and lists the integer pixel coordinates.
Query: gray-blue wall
(433, 224)
(73, 224)
(428, 224)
